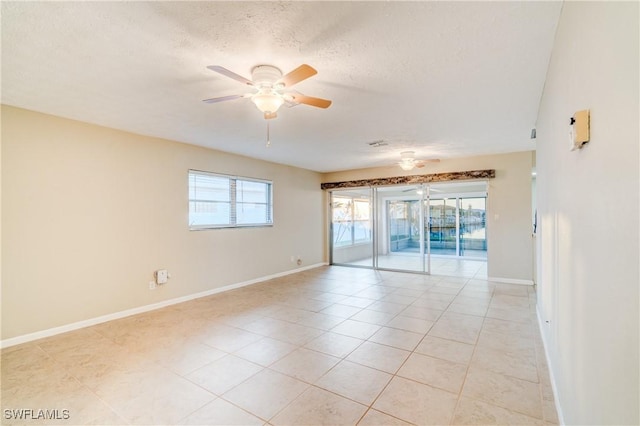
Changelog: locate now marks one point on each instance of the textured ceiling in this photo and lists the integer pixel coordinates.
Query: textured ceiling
(444, 79)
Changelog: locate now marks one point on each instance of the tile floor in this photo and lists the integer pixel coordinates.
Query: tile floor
(332, 345)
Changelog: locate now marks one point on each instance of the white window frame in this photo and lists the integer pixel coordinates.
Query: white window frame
(233, 217)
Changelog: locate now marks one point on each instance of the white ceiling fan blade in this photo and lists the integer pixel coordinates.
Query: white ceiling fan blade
(230, 74)
(222, 99)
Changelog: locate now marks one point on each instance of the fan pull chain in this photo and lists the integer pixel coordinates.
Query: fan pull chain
(268, 136)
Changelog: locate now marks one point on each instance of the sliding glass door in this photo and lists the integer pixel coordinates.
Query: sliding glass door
(443, 226)
(400, 228)
(473, 227)
(351, 227)
(403, 227)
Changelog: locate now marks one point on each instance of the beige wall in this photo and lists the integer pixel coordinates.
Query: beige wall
(89, 213)
(588, 206)
(509, 222)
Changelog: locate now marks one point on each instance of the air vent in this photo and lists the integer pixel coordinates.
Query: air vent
(376, 144)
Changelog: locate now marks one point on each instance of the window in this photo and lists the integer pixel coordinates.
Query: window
(351, 221)
(221, 201)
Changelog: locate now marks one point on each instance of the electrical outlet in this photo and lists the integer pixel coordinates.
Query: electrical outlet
(162, 276)
(152, 285)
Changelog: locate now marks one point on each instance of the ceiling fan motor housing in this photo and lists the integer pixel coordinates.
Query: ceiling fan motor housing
(265, 75)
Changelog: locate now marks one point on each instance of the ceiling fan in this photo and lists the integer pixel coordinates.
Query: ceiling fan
(271, 88)
(408, 161)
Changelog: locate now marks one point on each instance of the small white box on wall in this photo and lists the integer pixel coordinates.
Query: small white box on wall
(579, 129)
(162, 276)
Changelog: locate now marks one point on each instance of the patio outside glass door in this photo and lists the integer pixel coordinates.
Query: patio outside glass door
(351, 227)
(400, 229)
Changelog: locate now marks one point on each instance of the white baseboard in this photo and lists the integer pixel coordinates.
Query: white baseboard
(510, 281)
(551, 375)
(146, 308)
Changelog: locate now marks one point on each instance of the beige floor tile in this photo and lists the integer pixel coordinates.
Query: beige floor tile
(153, 396)
(380, 357)
(415, 325)
(411, 292)
(474, 412)
(520, 363)
(449, 350)
(434, 372)
(220, 412)
(266, 351)
(357, 329)
(295, 334)
(504, 341)
(508, 392)
(265, 326)
(221, 375)
(334, 344)
(342, 311)
(480, 299)
(36, 370)
(305, 364)
(239, 319)
(507, 301)
(93, 368)
(416, 403)
(397, 338)
(329, 297)
(375, 292)
(387, 307)
(319, 407)
(230, 339)
(376, 418)
(311, 305)
(510, 314)
(185, 356)
(509, 327)
(430, 303)
(266, 393)
(469, 309)
(85, 339)
(453, 330)
(289, 314)
(354, 381)
(436, 296)
(398, 298)
(422, 313)
(373, 317)
(65, 406)
(511, 289)
(444, 289)
(321, 321)
(358, 302)
(213, 360)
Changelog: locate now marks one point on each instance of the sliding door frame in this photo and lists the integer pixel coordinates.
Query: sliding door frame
(376, 221)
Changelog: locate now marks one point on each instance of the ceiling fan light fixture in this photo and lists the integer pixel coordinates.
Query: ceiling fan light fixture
(267, 102)
(407, 160)
(406, 165)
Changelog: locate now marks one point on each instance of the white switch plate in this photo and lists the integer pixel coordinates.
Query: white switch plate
(152, 285)
(162, 276)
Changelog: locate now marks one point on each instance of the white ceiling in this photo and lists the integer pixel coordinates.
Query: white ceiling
(444, 79)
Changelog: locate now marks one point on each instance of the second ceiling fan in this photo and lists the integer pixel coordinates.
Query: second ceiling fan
(271, 88)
